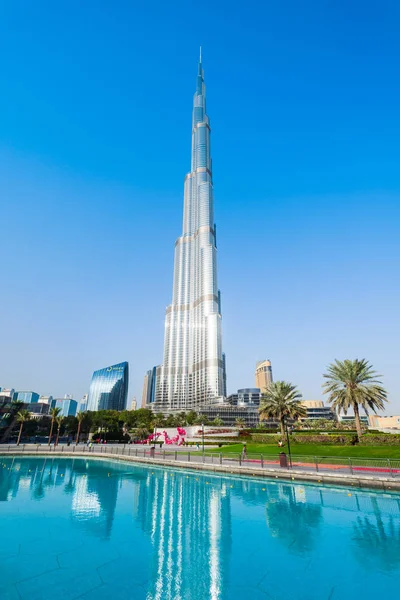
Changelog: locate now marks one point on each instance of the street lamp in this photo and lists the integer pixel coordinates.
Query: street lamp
(288, 443)
(202, 434)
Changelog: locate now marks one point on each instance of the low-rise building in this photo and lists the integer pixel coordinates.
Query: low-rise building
(384, 422)
(45, 400)
(316, 409)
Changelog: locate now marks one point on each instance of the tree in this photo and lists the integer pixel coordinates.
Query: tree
(59, 420)
(54, 413)
(80, 417)
(354, 384)
(281, 400)
(22, 417)
(218, 422)
(191, 417)
(241, 423)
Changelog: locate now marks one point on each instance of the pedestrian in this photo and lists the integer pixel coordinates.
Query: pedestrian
(244, 452)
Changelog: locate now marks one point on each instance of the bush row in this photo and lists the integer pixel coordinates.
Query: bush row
(344, 440)
(388, 439)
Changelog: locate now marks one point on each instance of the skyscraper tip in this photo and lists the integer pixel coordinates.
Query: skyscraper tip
(200, 54)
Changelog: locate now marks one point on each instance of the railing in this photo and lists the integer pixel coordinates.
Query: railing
(376, 467)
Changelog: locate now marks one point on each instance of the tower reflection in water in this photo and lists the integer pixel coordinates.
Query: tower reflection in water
(189, 522)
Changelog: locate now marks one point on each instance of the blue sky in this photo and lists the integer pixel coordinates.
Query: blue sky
(95, 124)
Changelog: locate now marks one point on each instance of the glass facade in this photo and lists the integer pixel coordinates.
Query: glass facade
(109, 388)
(193, 370)
(26, 397)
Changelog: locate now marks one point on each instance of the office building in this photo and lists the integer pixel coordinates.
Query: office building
(67, 406)
(83, 404)
(38, 409)
(134, 404)
(45, 400)
(149, 387)
(109, 388)
(192, 372)
(316, 409)
(8, 393)
(26, 397)
(263, 374)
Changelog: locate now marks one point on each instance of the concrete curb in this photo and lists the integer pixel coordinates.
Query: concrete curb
(356, 481)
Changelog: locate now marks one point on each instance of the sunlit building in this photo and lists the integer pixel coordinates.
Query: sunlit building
(109, 388)
(193, 370)
(263, 374)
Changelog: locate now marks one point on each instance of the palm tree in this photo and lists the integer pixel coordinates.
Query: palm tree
(80, 416)
(54, 412)
(281, 400)
(353, 384)
(59, 420)
(22, 417)
(241, 423)
(218, 422)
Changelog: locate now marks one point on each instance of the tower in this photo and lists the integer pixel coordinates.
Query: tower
(193, 371)
(263, 374)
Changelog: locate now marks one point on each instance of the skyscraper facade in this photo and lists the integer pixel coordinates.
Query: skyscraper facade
(109, 388)
(263, 374)
(193, 370)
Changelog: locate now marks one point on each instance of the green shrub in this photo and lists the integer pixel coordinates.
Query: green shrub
(331, 440)
(382, 439)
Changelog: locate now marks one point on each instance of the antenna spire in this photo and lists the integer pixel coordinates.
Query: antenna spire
(200, 54)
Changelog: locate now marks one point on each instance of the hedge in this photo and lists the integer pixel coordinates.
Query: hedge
(388, 439)
(329, 440)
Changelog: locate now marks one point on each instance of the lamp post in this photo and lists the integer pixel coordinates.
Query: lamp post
(288, 443)
(155, 436)
(202, 435)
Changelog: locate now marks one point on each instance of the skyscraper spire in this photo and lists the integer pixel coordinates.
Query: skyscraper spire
(193, 371)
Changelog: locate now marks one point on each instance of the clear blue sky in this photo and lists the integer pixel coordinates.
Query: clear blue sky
(95, 125)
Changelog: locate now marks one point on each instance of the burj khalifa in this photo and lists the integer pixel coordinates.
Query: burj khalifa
(193, 371)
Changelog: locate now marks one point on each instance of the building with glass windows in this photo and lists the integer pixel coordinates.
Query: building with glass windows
(109, 388)
(67, 406)
(263, 374)
(26, 397)
(193, 370)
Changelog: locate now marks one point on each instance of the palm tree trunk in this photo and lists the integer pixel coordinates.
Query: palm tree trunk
(58, 435)
(357, 420)
(78, 433)
(20, 433)
(51, 431)
(283, 427)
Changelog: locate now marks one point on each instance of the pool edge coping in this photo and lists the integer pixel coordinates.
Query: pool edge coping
(348, 480)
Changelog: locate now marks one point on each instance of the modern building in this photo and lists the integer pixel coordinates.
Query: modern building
(134, 404)
(38, 409)
(316, 409)
(263, 374)
(83, 404)
(26, 397)
(45, 400)
(193, 370)
(67, 406)
(7, 393)
(149, 387)
(109, 388)
(351, 419)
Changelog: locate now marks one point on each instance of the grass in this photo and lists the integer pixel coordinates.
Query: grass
(314, 450)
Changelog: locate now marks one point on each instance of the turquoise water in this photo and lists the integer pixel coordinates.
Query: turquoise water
(101, 530)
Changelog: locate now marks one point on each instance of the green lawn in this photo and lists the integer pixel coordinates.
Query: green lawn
(315, 450)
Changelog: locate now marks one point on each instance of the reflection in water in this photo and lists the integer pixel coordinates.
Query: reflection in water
(377, 544)
(190, 533)
(189, 526)
(292, 519)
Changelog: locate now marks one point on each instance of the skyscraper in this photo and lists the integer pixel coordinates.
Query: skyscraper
(263, 374)
(109, 388)
(193, 371)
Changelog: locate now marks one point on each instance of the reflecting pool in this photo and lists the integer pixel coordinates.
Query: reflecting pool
(92, 529)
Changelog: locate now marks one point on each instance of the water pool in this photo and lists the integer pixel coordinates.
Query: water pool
(92, 529)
